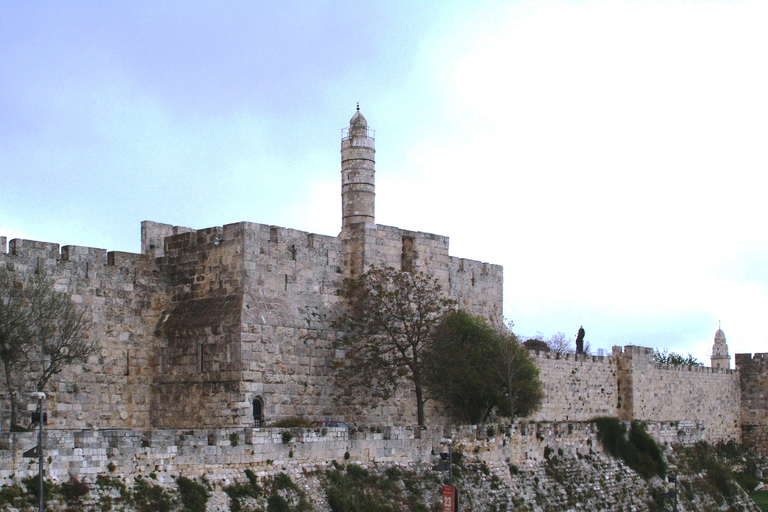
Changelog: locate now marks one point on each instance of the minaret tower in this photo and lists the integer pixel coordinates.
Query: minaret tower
(720, 357)
(357, 174)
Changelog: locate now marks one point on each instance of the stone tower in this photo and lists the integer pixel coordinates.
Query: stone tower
(720, 357)
(358, 192)
(357, 174)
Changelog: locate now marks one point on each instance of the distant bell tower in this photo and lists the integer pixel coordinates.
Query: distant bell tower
(720, 357)
(358, 192)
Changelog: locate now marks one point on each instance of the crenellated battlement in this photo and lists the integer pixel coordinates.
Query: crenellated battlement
(569, 356)
(36, 252)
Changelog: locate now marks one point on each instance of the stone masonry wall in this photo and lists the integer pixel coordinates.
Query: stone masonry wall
(477, 287)
(576, 388)
(221, 455)
(653, 392)
(754, 400)
(112, 389)
(198, 368)
(290, 291)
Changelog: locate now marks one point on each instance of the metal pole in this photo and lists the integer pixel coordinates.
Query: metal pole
(40, 454)
(40, 438)
(450, 463)
(675, 488)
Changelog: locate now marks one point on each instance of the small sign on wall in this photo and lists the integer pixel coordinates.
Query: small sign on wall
(450, 499)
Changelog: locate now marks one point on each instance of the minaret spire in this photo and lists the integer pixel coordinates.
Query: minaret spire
(358, 186)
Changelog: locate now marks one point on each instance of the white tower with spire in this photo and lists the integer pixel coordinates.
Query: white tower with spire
(720, 357)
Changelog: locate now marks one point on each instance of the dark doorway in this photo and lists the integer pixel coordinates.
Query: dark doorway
(258, 411)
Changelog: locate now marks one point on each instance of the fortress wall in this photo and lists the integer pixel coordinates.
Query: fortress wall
(221, 455)
(290, 292)
(478, 287)
(753, 372)
(112, 388)
(576, 388)
(683, 393)
(199, 366)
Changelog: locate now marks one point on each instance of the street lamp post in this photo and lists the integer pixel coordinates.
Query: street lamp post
(40, 402)
(450, 496)
(673, 478)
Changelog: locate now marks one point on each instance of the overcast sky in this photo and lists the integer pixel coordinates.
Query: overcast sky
(611, 155)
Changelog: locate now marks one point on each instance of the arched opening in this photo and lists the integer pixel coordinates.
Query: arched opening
(258, 411)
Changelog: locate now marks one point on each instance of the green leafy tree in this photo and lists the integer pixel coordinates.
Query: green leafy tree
(41, 332)
(665, 357)
(477, 370)
(387, 323)
(458, 364)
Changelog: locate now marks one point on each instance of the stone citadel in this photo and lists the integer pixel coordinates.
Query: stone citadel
(209, 329)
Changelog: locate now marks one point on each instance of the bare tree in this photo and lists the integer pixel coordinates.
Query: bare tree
(559, 343)
(388, 322)
(41, 332)
(518, 376)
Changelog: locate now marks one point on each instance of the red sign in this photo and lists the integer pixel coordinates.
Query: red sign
(449, 498)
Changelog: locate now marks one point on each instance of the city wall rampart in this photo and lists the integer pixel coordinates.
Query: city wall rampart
(754, 400)
(221, 455)
(629, 385)
(197, 331)
(654, 392)
(112, 388)
(576, 387)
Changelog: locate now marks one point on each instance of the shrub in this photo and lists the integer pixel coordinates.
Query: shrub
(283, 481)
(194, 495)
(11, 495)
(357, 472)
(73, 490)
(286, 435)
(251, 476)
(277, 503)
(293, 422)
(234, 439)
(150, 497)
(638, 449)
(33, 487)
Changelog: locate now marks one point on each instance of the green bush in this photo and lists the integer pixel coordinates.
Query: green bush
(194, 495)
(33, 488)
(283, 481)
(73, 490)
(286, 435)
(294, 421)
(253, 480)
(277, 503)
(150, 497)
(636, 447)
(11, 495)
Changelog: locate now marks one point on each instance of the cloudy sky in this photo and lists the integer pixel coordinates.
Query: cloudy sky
(611, 155)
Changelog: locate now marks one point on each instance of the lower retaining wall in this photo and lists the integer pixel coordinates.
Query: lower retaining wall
(223, 454)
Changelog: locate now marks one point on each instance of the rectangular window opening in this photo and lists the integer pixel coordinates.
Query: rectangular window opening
(408, 255)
